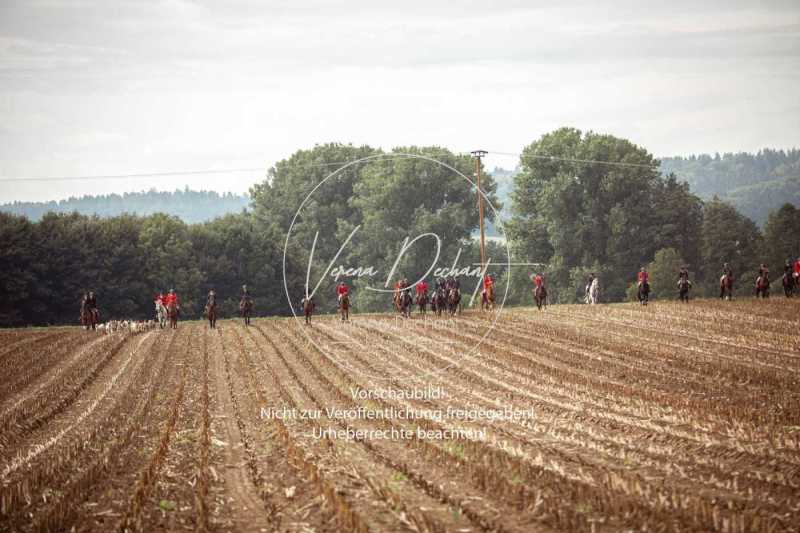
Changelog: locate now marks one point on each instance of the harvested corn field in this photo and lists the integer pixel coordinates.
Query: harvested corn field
(665, 417)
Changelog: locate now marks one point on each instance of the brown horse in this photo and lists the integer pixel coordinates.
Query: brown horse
(683, 289)
(308, 308)
(211, 315)
(422, 303)
(89, 318)
(246, 309)
(487, 298)
(344, 307)
(172, 314)
(762, 286)
(454, 301)
(788, 282)
(726, 287)
(404, 303)
(540, 296)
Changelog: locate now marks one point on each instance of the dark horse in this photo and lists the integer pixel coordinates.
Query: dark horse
(404, 302)
(438, 302)
(308, 308)
(172, 314)
(643, 293)
(422, 303)
(211, 314)
(726, 287)
(762, 286)
(454, 301)
(246, 309)
(788, 284)
(540, 296)
(683, 289)
(344, 307)
(89, 317)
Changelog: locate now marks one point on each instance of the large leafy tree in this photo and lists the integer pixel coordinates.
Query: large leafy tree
(729, 237)
(592, 202)
(782, 237)
(401, 198)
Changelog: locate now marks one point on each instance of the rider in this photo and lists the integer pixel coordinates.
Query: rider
(159, 299)
(488, 282)
(211, 301)
(422, 288)
(245, 296)
(538, 280)
(797, 269)
(683, 273)
(91, 301)
(643, 277)
(170, 298)
(763, 274)
(342, 290)
(727, 271)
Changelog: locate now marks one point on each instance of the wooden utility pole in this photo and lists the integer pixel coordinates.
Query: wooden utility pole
(478, 154)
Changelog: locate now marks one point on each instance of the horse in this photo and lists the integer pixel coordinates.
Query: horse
(593, 292)
(246, 309)
(540, 296)
(344, 307)
(422, 303)
(643, 293)
(161, 314)
(404, 303)
(762, 287)
(726, 287)
(683, 289)
(454, 301)
(172, 314)
(89, 318)
(438, 301)
(211, 313)
(487, 298)
(308, 309)
(788, 282)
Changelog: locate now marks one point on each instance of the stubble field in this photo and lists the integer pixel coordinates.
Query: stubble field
(667, 417)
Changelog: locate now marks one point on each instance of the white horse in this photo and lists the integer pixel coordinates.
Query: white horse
(161, 314)
(593, 294)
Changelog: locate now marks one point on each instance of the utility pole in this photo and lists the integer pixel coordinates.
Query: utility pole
(478, 154)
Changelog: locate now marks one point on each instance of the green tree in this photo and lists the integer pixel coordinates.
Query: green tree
(729, 237)
(18, 280)
(581, 202)
(781, 237)
(664, 273)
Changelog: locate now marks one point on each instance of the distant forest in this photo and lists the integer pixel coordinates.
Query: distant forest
(755, 184)
(190, 206)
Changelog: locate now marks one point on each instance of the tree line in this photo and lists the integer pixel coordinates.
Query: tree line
(190, 206)
(568, 214)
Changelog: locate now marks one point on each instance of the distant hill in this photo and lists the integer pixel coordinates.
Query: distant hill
(755, 184)
(190, 206)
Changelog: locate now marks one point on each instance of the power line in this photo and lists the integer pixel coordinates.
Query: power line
(309, 165)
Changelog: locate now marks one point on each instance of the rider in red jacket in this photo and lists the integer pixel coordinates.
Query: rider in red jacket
(422, 288)
(538, 280)
(342, 290)
(797, 268)
(171, 297)
(643, 277)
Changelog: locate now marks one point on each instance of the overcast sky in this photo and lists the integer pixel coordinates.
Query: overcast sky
(113, 87)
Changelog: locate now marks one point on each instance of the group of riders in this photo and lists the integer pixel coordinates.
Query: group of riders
(446, 295)
(790, 281)
(167, 308)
